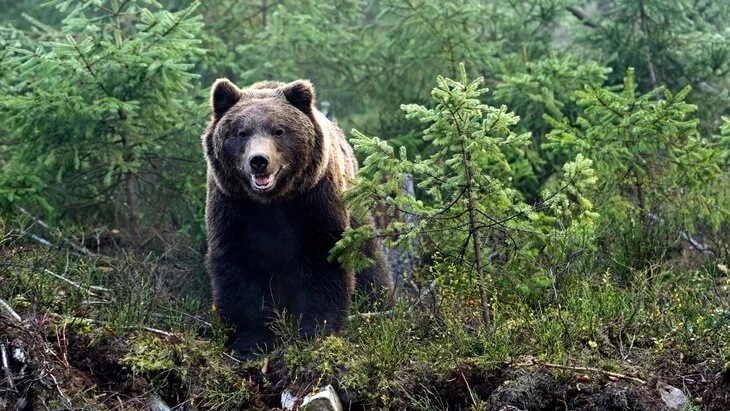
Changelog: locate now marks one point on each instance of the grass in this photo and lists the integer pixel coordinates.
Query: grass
(145, 334)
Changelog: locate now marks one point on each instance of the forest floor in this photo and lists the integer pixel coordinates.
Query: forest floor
(80, 366)
(85, 331)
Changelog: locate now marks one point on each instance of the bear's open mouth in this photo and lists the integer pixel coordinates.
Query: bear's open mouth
(263, 181)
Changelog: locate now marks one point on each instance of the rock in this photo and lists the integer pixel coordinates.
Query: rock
(156, 403)
(325, 400)
(288, 400)
(673, 397)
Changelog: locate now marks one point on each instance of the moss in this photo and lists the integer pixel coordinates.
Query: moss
(336, 360)
(323, 357)
(148, 354)
(195, 368)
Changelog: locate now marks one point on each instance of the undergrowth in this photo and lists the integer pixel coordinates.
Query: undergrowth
(112, 334)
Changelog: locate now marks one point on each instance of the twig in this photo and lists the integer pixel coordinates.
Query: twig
(6, 366)
(589, 369)
(370, 315)
(36, 238)
(87, 290)
(10, 311)
(471, 394)
(157, 331)
(230, 357)
(696, 244)
(150, 329)
(685, 236)
(63, 346)
(80, 249)
(192, 317)
(265, 366)
(66, 401)
(96, 302)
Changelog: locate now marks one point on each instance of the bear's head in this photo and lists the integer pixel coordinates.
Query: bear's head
(265, 141)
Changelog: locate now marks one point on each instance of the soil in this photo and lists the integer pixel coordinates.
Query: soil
(77, 371)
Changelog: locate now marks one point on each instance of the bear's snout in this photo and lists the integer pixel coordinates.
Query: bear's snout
(262, 163)
(258, 162)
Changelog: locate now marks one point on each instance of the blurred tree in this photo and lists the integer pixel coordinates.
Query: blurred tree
(29, 14)
(669, 43)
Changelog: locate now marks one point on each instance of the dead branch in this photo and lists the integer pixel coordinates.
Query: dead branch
(150, 329)
(685, 236)
(230, 357)
(77, 285)
(10, 310)
(370, 315)
(81, 249)
(157, 331)
(471, 393)
(184, 314)
(36, 238)
(594, 370)
(66, 401)
(697, 245)
(582, 16)
(6, 365)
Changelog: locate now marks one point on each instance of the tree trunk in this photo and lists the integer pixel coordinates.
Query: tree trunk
(132, 210)
(474, 231)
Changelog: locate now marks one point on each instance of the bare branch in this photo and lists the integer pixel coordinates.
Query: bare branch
(6, 366)
(589, 369)
(76, 285)
(10, 310)
(582, 16)
(80, 249)
(150, 329)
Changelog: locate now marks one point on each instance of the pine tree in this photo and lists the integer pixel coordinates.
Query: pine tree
(655, 169)
(472, 214)
(102, 117)
(545, 86)
(669, 43)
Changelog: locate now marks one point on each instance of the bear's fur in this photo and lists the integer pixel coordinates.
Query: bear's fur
(277, 168)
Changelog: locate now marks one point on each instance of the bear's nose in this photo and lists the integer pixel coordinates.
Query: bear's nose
(258, 162)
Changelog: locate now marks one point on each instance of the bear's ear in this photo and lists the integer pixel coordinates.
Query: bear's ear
(300, 94)
(223, 95)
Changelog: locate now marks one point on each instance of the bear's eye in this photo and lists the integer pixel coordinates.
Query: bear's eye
(242, 134)
(278, 132)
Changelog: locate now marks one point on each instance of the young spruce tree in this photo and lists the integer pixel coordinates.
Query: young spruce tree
(472, 217)
(656, 171)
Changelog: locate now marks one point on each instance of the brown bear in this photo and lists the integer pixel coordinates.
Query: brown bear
(277, 169)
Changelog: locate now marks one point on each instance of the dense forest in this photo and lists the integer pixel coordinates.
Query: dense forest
(550, 182)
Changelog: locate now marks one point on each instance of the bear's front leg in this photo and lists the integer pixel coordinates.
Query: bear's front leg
(323, 302)
(243, 305)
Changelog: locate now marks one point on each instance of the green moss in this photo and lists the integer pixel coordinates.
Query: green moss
(198, 368)
(148, 354)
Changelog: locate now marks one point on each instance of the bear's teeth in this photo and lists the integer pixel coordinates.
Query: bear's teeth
(262, 182)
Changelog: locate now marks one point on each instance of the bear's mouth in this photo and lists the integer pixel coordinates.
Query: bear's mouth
(263, 182)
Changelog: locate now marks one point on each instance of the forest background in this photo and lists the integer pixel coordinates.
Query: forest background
(570, 217)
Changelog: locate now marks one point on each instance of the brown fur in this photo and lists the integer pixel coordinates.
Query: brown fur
(277, 169)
